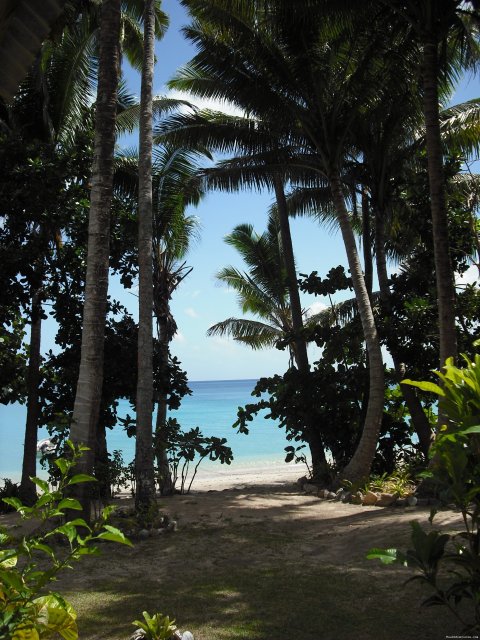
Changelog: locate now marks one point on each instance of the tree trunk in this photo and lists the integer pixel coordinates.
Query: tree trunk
(296, 308)
(28, 491)
(441, 246)
(164, 475)
(144, 472)
(417, 414)
(367, 243)
(359, 466)
(89, 387)
(314, 440)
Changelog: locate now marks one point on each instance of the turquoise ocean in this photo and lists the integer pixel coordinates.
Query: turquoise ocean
(212, 407)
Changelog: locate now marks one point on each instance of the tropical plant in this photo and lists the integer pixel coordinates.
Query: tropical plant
(29, 609)
(156, 627)
(449, 563)
(143, 444)
(316, 139)
(186, 450)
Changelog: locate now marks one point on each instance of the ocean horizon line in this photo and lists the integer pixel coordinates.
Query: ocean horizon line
(226, 380)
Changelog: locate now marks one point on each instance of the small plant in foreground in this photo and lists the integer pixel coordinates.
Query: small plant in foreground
(29, 610)
(156, 627)
(455, 470)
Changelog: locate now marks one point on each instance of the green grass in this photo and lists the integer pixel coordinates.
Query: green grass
(244, 582)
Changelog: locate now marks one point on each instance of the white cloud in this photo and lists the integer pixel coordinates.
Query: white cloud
(179, 337)
(314, 308)
(190, 311)
(196, 293)
(223, 344)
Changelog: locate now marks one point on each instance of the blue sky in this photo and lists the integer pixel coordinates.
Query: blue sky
(200, 301)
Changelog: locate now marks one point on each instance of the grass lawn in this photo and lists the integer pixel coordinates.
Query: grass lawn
(274, 566)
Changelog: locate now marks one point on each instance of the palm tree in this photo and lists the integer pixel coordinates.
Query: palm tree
(176, 187)
(88, 393)
(264, 292)
(261, 291)
(50, 108)
(437, 24)
(310, 96)
(144, 473)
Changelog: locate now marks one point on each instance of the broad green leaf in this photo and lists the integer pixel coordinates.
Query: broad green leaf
(67, 530)
(69, 503)
(43, 547)
(387, 556)
(475, 429)
(81, 477)
(43, 500)
(25, 633)
(114, 535)
(13, 502)
(8, 558)
(43, 484)
(63, 465)
(80, 522)
(425, 386)
(58, 616)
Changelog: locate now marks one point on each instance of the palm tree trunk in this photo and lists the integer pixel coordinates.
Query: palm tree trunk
(441, 246)
(29, 468)
(367, 243)
(417, 414)
(359, 466)
(144, 472)
(164, 475)
(89, 386)
(313, 437)
(301, 355)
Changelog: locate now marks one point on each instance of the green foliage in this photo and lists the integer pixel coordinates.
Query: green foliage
(399, 482)
(9, 490)
(187, 449)
(29, 610)
(156, 627)
(455, 471)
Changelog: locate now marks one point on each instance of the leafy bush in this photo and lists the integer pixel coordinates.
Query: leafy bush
(156, 627)
(455, 470)
(29, 610)
(9, 490)
(186, 450)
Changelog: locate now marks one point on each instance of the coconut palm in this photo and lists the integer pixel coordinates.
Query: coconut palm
(51, 107)
(176, 187)
(310, 95)
(144, 474)
(88, 394)
(437, 24)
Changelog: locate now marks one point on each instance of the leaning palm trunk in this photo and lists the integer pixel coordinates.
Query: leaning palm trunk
(29, 467)
(359, 466)
(417, 414)
(89, 386)
(144, 473)
(317, 450)
(289, 260)
(441, 245)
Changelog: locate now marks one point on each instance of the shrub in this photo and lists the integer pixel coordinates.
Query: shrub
(455, 470)
(29, 610)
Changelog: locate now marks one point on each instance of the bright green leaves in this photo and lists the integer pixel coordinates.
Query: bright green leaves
(156, 627)
(24, 613)
(113, 535)
(455, 472)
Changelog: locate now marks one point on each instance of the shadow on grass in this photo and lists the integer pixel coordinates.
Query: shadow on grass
(280, 576)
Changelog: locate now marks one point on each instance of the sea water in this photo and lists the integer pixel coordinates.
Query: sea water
(212, 407)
